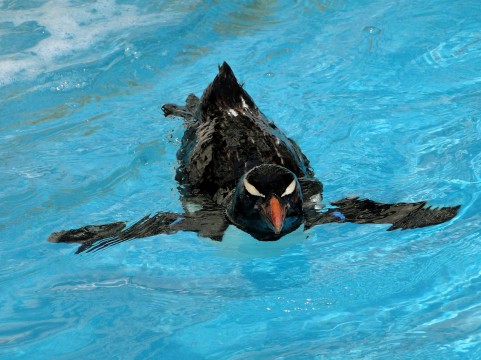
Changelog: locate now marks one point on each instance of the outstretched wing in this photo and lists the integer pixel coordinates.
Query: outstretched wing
(400, 215)
(210, 224)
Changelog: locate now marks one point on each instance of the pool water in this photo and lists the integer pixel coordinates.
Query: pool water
(382, 96)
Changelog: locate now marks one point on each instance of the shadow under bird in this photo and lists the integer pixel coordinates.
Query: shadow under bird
(240, 169)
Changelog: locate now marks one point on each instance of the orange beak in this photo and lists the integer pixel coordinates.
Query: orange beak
(275, 213)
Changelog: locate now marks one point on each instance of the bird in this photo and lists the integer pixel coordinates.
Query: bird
(238, 168)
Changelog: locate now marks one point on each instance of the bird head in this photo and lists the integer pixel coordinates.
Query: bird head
(267, 202)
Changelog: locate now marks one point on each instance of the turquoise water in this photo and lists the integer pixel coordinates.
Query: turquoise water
(382, 96)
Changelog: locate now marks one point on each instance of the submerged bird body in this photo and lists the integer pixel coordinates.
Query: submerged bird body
(227, 136)
(242, 170)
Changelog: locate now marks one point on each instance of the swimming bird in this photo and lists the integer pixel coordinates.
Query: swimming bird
(240, 169)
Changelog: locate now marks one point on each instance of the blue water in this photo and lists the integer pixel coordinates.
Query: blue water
(383, 97)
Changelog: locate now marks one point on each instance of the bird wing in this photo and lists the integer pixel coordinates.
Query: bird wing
(400, 215)
(211, 224)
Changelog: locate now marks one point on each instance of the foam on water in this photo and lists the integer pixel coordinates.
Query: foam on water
(76, 33)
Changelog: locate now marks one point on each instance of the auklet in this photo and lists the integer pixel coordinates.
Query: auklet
(240, 169)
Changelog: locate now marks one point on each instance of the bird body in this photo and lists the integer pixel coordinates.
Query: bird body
(226, 136)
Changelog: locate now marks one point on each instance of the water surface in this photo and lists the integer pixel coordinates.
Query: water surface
(382, 96)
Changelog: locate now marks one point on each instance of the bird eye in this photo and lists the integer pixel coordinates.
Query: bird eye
(252, 190)
(290, 189)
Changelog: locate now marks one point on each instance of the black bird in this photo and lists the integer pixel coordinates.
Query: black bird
(240, 169)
